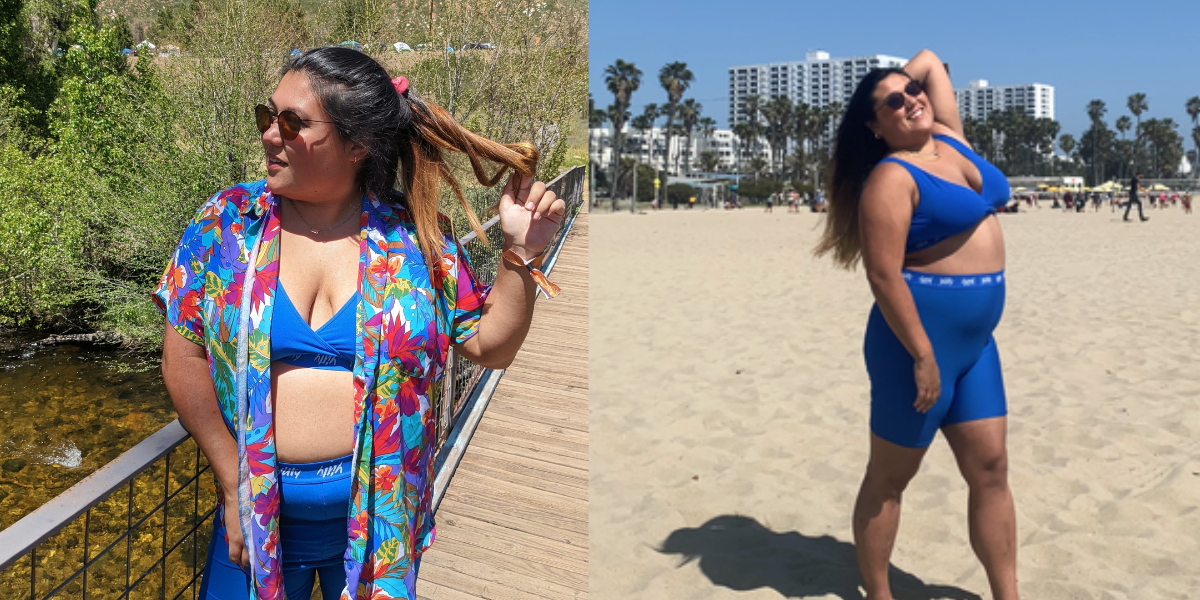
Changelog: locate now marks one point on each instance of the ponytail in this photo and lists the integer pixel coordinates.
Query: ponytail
(401, 133)
(423, 168)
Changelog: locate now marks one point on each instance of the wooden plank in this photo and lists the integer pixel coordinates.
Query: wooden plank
(482, 580)
(432, 589)
(572, 486)
(531, 466)
(567, 553)
(541, 443)
(564, 506)
(516, 565)
(514, 523)
(497, 513)
(571, 435)
(509, 446)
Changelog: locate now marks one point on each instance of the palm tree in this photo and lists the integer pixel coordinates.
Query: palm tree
(675, 79)
(1193, 111)
(1067, 143)
(622, 79)
(744, 132)
(752, 111)
(1095, 111)
(1124, 124)
(778, 113)
(596, 119)
(689, 114)
(708, 126)
(645, 123)
(1137, 105)
(1196, 142)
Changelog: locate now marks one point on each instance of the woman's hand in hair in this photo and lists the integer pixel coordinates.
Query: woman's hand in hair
(529, 215)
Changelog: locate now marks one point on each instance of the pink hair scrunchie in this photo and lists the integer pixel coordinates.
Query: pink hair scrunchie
(401, 84)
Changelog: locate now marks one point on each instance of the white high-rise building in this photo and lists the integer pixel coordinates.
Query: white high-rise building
(649, 148)
(817, 80)
(978, 100)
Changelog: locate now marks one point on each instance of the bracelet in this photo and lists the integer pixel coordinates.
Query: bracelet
(539, 278)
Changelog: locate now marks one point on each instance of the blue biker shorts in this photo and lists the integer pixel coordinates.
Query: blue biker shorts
(959, 314)
(314, 504)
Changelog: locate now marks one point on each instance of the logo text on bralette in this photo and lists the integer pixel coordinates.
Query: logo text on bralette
(330, 470)
(324, 360)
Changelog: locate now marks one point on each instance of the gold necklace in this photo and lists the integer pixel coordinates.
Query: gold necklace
(933, 154)
(314, 230)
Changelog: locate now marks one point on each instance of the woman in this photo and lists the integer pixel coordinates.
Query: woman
(916, 204)
(326, 366)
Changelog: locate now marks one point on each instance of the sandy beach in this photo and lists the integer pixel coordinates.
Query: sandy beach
(729, 405)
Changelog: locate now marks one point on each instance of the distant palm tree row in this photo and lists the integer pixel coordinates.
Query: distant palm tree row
(1016, 142)
(1157, 148)
(776, 121)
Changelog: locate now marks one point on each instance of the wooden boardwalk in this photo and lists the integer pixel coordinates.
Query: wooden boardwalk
(514, 520)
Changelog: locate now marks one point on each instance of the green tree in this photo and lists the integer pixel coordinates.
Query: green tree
(744, 132)
(622, 79)
(778, 114)
(753, 112)
(689, 116)
(1097, 139)
(675, 79)
(707, 126)
(1067, 142)
(1193, 110)
(1137, 105)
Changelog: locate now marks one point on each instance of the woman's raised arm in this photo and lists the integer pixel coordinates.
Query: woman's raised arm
(928, 69)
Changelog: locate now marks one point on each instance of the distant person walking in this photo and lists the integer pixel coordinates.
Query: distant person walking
(1135, 186)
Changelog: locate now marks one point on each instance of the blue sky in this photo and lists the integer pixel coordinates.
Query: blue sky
(1087, 50)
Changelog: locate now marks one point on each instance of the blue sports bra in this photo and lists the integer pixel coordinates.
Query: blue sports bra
(330, 347)
(945, 208)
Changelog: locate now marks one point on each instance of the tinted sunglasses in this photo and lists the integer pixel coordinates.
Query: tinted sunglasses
(289, 122)
(895, 100)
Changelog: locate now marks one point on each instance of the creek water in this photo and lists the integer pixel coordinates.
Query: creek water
(65, 411)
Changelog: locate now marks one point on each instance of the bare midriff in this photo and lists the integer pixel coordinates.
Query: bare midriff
(314, 413)
(976, 250)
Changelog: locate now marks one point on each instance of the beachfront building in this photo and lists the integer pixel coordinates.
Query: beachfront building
(649, 147)
(978, 99)
(817, 81)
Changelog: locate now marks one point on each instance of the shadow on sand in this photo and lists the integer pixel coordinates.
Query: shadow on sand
(740, 553)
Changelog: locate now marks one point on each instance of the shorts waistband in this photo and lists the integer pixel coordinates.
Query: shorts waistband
(317, 472)
(953, 281)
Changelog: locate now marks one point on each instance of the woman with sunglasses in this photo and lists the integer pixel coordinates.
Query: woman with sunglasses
(916, 205)
(310, 314)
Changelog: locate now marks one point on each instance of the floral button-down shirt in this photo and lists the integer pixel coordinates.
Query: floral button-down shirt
(406, 320)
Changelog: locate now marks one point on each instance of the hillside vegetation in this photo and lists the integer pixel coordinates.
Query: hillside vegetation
(104, 158)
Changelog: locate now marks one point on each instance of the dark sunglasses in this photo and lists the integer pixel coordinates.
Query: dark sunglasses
(289, 122)
(895, 100)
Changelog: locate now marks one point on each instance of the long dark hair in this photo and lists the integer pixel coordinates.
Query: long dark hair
(856, 151)
(404, 136)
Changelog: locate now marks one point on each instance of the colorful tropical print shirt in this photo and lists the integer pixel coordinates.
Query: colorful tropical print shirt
(406, 320)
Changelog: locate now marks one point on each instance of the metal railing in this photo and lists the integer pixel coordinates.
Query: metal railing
(93, 541)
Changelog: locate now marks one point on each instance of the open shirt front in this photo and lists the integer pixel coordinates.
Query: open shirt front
(405, 322)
